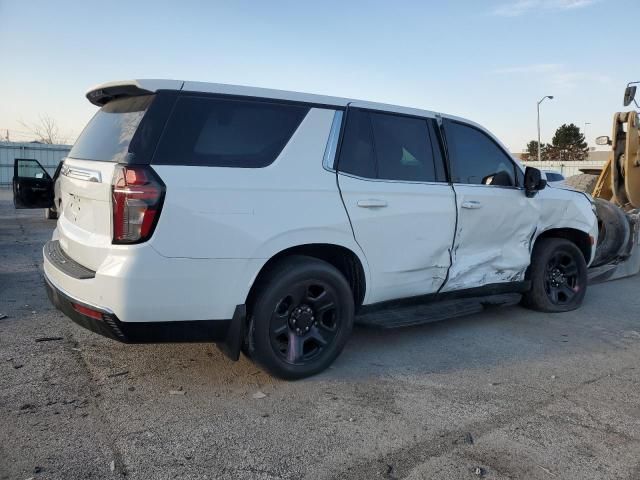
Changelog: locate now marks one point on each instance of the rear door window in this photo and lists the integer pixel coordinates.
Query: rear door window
(108, 134)
(227, 132)
(403, 148)
(390, 147)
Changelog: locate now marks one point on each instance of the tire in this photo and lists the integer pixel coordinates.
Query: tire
(558, 275)
(301, 318)
(583, 182)
(614, 232)
(50, 214)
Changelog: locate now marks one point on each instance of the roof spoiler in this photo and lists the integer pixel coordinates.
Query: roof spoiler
(103, 94)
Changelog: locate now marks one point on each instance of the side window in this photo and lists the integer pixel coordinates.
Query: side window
(356, 155)
(476, 159)
(390, 147)
(403, 148)
(519, 176)
(28, 168)
(227, 132)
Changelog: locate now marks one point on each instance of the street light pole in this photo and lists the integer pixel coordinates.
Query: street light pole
(585, 132)
(550, 97)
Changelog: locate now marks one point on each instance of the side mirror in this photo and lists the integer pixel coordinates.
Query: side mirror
(533, 181)
(629, 95)
(603, 140)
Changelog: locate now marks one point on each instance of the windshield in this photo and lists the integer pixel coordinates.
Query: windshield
(108, 134)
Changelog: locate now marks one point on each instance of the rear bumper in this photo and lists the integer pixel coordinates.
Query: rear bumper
(227, 333)
(139, 285)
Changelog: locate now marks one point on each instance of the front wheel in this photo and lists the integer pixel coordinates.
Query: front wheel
(301, 317)
(558, 275)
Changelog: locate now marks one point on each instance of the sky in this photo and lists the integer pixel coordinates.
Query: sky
(486, 60)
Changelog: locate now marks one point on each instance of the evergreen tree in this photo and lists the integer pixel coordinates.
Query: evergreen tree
(568, 144)
(531, 152)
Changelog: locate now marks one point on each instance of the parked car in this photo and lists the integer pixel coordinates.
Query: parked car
(267, 221)
(34, 187)
(553, 177)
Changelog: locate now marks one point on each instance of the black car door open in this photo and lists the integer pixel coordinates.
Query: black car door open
(32, 185)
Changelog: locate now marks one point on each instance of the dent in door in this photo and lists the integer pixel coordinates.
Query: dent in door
(407, 242)
(493, 260)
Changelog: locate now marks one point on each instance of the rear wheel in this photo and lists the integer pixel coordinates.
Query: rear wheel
(558, 275)
(301, 318)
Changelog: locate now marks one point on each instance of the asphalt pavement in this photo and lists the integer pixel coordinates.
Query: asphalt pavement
(508, 393)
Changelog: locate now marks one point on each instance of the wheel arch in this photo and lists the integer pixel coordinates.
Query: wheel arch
(341, 257)
(579, 237)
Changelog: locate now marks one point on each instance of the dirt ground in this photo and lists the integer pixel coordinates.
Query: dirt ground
(508, 393)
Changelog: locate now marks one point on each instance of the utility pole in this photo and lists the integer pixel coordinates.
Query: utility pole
(550, 97)
(585, 132)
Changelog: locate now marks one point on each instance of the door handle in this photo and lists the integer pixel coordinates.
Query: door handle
(471, 204)
(372, 203)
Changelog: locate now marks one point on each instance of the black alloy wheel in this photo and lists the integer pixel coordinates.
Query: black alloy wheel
(304, 322)
(558, 276)
(301, 317)
(561, 278)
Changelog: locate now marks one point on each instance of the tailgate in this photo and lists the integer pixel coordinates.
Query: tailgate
(84, 226)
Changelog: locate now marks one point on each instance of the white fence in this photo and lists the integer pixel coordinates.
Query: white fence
(48, 155)
(568, 169)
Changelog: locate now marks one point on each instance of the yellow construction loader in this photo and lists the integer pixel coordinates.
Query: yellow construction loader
(617, 198)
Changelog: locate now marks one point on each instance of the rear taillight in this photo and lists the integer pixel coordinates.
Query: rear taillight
(137, 195)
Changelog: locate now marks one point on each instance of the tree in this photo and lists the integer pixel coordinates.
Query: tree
(531, 152)
(568, 144)
(46, 130)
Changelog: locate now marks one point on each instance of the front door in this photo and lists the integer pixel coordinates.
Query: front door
(496, 221)
(32, 185)
(392, 181)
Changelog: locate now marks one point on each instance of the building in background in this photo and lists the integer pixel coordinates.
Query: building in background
(593, 164)
(49, 157)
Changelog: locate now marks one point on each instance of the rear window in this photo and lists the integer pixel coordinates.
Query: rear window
(108, 134)
(227, 132)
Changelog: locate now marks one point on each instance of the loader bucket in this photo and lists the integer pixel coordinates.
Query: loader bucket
(627, 263)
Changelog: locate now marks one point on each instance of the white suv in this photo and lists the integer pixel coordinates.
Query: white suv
(267, 221)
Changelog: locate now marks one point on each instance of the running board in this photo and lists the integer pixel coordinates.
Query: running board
(411, 315)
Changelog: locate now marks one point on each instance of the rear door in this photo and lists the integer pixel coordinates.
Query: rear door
(496, 220)
(32, 185)
(392, 180)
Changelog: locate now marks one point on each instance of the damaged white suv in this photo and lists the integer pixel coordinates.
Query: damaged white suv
(269, 221)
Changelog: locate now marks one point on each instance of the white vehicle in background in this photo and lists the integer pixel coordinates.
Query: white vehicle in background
(554, 177)
(269, 221)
